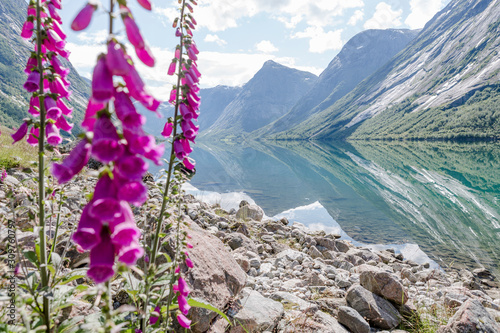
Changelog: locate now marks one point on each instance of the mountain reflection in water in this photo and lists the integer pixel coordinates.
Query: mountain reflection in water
(443, 197)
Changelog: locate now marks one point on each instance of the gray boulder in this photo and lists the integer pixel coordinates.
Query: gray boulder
(236, 240)
(258, 313)
(250, 212)
(378, 311)
(353, 320)
(471, 317)
(382, 283)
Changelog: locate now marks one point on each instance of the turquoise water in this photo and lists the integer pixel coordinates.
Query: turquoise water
(443, 197)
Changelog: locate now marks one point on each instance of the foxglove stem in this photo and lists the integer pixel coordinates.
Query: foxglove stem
(41, 169)
(159, 224)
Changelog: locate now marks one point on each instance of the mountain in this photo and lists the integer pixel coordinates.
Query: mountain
(213, 102)
(445, 84)
(360, 57)
(266, 97)
(14, 52)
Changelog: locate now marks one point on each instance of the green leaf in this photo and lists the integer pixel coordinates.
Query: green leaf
(198, 304)
(31, 256)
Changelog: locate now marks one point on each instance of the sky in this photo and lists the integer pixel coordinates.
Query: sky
(235, 37)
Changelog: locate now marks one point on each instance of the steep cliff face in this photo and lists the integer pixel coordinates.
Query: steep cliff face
(452, 59)
(14, 52)
(361, 56)
(266, 97)
(214, 101)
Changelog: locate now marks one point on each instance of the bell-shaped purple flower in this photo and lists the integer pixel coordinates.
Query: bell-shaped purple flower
(66, 110)
(32, 63)
(131, 167)
(20, 133)
(32, 138)
(183, 321)
(126, 112)
(57, 86)
(27, 30)
(53, 13)
(105, 205)
(53, 111)
(133, 34)
(123, 229)
(57, 29)
(63, 124)
(146, 4)
(88, 233)
(102, 258)
(102, 82)
(82, 20)
(32, 84)
(145, 55)
(105, 145)
(58, 67)
(183, 287)
(167, 130)
(188, 164)
(115, 59)
(130, 254)
(52, 133)
(183, 304)
(171, 68)
(191, 54)
(55, 39)
(189, 129)
(72, 164)
(34, 108)
(154, 318)
(135, 193)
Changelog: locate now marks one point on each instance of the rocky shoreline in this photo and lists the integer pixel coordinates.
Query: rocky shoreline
(269, 276)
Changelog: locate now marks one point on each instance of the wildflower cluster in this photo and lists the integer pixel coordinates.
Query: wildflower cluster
(107, 226)
(47, 78)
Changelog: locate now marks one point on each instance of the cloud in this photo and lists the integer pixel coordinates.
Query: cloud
(422, 11)
(219, 15)
(384, 17)
(214, 39)
(356, 17)
(266, 46)
(236, 69)
(321, 41)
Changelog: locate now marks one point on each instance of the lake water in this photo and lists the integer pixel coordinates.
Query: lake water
(435, 202)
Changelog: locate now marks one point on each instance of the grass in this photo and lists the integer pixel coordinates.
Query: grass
(13, 156)
(427, 320)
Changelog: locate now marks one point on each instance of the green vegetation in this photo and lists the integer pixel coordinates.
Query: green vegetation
(19, 155)
(477, 118)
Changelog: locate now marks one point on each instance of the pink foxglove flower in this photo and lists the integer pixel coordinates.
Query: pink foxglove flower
(146, 4)
(32, 84)
(190, 165)
(126, 112)
(63, 124)
(133, 34)
(183, 287)
(105, 145)
(52, 133)
(88, 233)
(20, 133)
(102, 82)
(27, 30)
(115, 59)
(130, 254)
(135, 193)
(167, 130)
(105, 206)
(154, 319)
(64, 108)
(82, 20)
(53, 111)
(72, 164)
(183, 304)
(33, 136)
(58, 67)
(131, 167)
(171, 68)
(183, 321)
(102, 257)
(123, 229)
(145, 55)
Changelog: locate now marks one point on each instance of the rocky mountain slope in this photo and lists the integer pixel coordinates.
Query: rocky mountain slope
(14, 52)
(266, 97)
(421, 93)
(360, 57)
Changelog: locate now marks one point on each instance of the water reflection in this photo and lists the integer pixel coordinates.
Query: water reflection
(443, 197)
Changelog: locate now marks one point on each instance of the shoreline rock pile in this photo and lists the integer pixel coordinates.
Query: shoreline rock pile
(269, 276)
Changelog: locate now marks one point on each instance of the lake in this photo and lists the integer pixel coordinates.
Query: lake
(436, 202)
